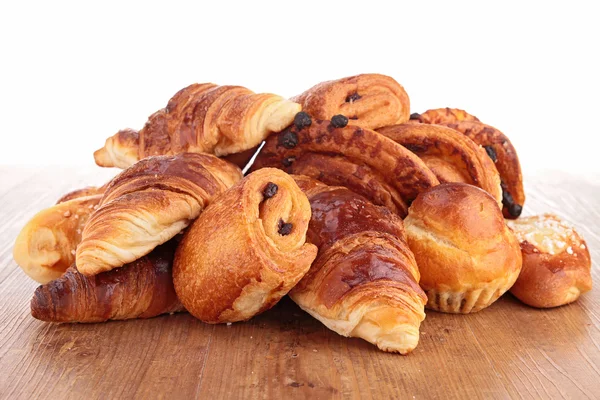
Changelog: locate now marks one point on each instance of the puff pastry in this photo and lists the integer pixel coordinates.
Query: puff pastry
(201, 118)
(365, 281)
(368, 100)
(496, 144)
(149, 203)
(466, 254)
(556, 262)
(46, 245)
(141, 289)
(362, 160)
(246, 250)
(451, 156)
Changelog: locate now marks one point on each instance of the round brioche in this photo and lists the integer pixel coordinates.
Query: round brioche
(556, 262)
(466, 254)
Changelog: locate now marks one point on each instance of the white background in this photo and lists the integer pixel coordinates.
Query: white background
(72, 74)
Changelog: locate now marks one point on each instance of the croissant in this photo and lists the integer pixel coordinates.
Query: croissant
(201, 118)
(556, 262)
(496, 144)
(141, 289)
(368, 100)
(149, 203)
(362, 160)
(246, 250)
(451, 156)
(45, 247)
(365, 281)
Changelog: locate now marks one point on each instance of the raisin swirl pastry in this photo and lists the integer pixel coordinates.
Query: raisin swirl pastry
(451, 156)
(201, 118)
(246, 250)
(368, 100)
(556, 262)
(496, 144)
(149, 203)
(141, 289)
(360, 159)
(364, 282)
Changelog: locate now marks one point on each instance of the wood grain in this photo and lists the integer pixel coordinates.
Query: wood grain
(506, 351)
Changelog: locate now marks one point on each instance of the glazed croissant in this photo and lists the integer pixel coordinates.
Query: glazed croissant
(141, 289)
(451, 156)
(496, 144)
(46, 245)
(246, 250)
(362, 160)
(368, 100)
(149, 203)
(203, 118)
(365, 281)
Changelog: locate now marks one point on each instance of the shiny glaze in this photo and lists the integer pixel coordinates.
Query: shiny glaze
(340, 213)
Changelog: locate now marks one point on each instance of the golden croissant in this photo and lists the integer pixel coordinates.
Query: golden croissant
(201, 118)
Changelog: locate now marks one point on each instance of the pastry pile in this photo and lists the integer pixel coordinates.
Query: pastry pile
(363, 213)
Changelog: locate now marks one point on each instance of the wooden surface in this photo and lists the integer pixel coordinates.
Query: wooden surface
(506, 351)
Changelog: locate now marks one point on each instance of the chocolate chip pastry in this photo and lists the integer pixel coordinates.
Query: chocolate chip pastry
(451, 156)
(368, 100)
(246, 250)
(339, 154)
(496, 144)
(365, 281)
(201, 118)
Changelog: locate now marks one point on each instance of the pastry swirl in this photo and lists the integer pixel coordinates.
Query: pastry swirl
(246, 250)
(368, 100)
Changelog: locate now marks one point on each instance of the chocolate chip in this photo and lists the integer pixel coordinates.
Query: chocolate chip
(339, 121)
(284, 228)
(515, 209)
(288, 161)
(415, 116)
(353, 117)
(491, 152)
(270, 190)
(302, 120)
(353, 97)
(288, 139)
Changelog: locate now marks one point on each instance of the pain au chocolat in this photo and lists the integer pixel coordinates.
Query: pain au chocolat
(496, 144)
(451, 156)
(246, 250)
(368, 100)
(556, 262)
(201, 118)
(364, 282)
(466, 254)
(360, 159)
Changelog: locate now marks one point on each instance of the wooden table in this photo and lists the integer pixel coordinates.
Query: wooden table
(506, 351)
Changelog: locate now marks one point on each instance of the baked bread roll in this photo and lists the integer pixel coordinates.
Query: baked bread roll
(201, 118)
(362, 160)
(451, 156)
(141, 289)
(368, 100)
(365, 281)
(246, 250)
(148, 204)
(466, 254)
(496, 144)
(556, 262)
(46, 245)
